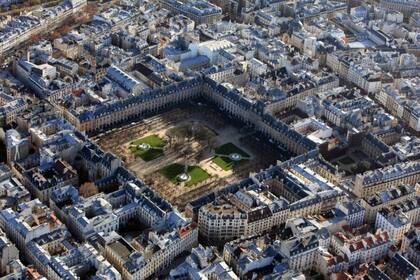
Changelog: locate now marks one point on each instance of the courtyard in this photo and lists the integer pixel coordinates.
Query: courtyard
(353, 161)
(186, 152)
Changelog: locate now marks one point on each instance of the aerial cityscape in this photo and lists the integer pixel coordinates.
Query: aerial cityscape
(210, 139)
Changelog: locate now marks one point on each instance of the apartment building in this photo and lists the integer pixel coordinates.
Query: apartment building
(394, 195)
(32, 220)
(328, 263)
(396, 223)
(8, 254)
(247, 212)
(401, 104)
(371, 182)
(10, 110)
(400, 268)
(41, 182)
(17, 145)
(410, 246)
(268, 199)
(361, 248)
(98, 163)
(301, 251)
(148, 259)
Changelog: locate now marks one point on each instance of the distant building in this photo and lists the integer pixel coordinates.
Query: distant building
(407, 7)
(199, 11)
(22, 28)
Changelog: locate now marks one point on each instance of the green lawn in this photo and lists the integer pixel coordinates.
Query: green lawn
(222, 156)
(152, 140)
(196, 174)
(230, 148)
(155, 151)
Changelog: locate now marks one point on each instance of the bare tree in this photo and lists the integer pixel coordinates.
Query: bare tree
(88, 189)
(211, 143)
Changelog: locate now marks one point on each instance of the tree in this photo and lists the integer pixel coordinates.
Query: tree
(200, 156)
(211, 143)
(186, 151)
(88, 189)
(176, 133)
(353, 167)
(364, 165)
(91, 9)
(202, 134)
(54, 35)
(35, 38)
